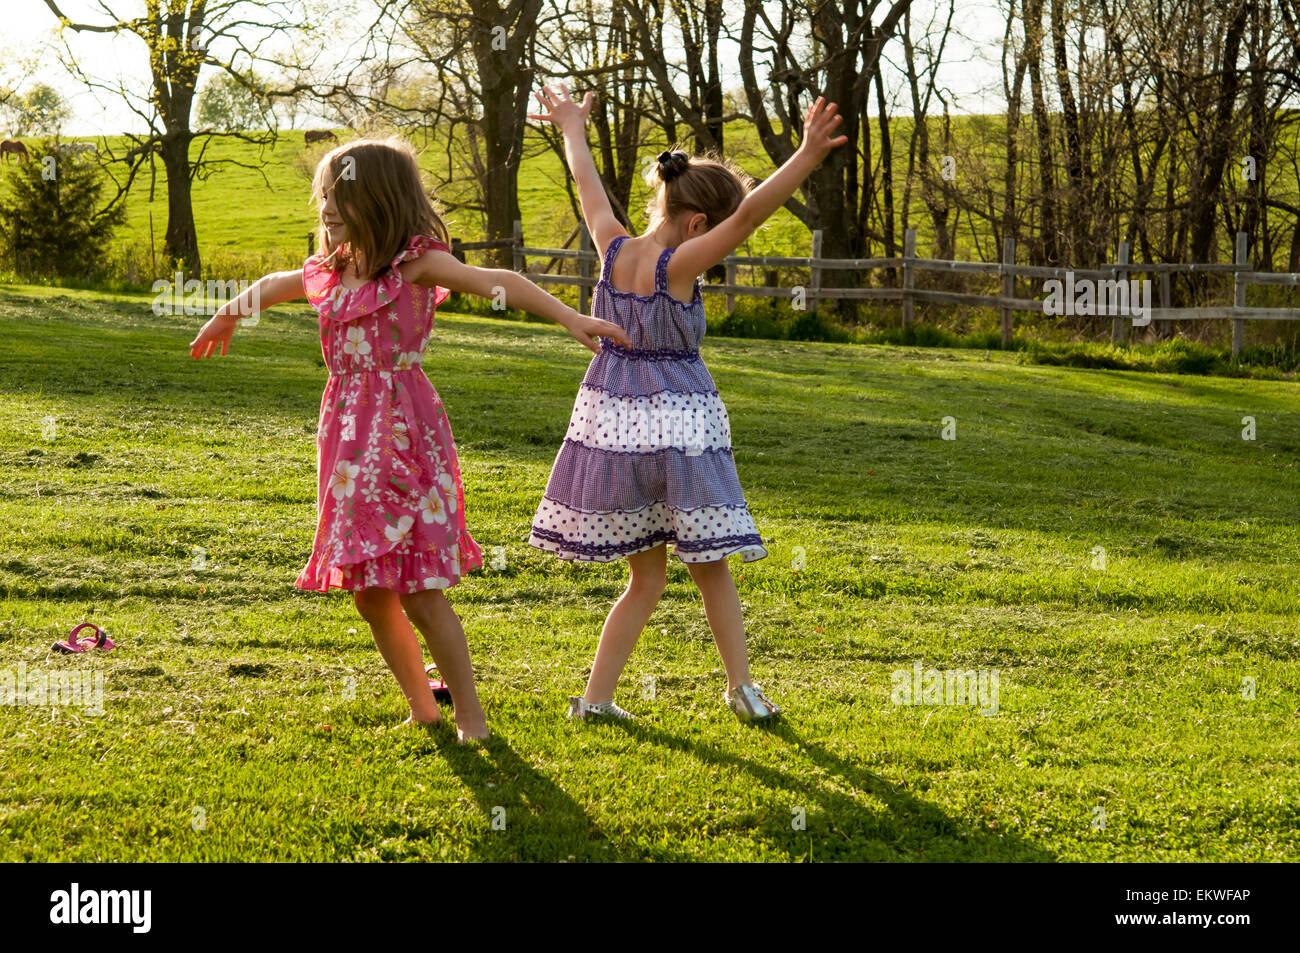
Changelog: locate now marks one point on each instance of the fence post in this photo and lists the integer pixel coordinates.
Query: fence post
(584, 267)
(731, 280)
(456, 251)
(1008, 287)
(909, 275)
(517, 246)
(1166, 299)
(814, 270)
(1239, 296)
(1118, 323)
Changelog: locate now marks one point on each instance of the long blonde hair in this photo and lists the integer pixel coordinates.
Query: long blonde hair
(380, 197)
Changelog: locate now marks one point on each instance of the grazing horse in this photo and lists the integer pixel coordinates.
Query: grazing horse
(318, 135)
(13, 147)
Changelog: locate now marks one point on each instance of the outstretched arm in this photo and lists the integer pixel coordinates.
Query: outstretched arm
(571, 120)
(267, 291)
(443, 269)
(697, 255)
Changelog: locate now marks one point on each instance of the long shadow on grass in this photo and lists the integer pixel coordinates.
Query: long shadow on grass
(537, 820)
(842, 826)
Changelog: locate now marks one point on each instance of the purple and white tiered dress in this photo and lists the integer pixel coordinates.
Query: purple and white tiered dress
(647, 458)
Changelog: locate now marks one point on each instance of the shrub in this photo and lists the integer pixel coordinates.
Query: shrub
(51, 222)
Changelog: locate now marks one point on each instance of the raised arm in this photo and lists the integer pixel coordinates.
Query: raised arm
(697, 255)
(571, 119)
(266, 292)
(443, 269)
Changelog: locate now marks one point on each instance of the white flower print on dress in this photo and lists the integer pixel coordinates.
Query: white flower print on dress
(349, 430)
(400, 439)
(436, 582)
(356, 344)
(406, 360)
(344, 480)
(449, 487)
(401, 532)
(431, 507)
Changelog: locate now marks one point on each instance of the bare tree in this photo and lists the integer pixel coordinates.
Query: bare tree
(594, 44)
(484, 52)
(181, 37)
(832, 49)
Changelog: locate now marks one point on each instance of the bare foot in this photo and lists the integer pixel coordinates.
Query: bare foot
(467, 731)
(423, 724)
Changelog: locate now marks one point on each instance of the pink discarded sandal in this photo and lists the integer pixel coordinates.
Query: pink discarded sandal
(439, 688)
(73, 645)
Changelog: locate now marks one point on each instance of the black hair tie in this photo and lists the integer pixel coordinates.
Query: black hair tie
(672, 164)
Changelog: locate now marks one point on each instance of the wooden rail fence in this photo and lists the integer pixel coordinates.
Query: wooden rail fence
(908, 264)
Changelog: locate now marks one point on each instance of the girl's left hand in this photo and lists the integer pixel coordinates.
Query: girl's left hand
(819, 127)
(586, 330)
(216, 332)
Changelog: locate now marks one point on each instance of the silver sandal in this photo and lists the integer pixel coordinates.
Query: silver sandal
(579, 707)
(749, 702)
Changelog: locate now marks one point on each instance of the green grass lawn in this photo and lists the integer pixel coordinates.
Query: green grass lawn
(263, 716)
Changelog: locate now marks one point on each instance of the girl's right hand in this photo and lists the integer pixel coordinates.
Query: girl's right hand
(586, 330)
(561, 110)
(217, 331)
(818, 125)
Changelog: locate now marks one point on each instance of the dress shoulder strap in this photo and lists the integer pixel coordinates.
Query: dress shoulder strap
(661, 269)
(606, 267)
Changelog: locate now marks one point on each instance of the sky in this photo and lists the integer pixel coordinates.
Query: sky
(970, 69)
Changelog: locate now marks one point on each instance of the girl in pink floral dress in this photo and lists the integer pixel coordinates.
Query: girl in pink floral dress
(390, 507)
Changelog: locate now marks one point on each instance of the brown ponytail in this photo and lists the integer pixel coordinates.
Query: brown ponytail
(709, 184)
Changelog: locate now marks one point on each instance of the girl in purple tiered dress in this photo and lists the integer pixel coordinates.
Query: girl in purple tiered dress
(647, 459)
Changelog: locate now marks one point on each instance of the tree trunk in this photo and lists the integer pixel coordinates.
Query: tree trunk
(1077, 248)
(507, 82)
(1050, 245)
(181, 242)
(1215, 146)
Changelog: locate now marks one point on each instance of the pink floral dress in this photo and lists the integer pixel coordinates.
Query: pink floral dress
(390, 507)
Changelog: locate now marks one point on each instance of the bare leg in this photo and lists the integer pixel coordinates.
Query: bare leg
(433, 615)
(722, 608)
(625, 621)
(400, 648)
